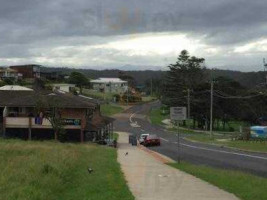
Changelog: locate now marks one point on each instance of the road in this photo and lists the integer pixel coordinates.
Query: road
(135, 121)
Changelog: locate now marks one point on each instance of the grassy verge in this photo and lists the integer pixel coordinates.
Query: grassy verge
(156, 116)
(244, 186)
(98, 95)
(148, 98)
(110, 109)
(226, 141)
(55, 171)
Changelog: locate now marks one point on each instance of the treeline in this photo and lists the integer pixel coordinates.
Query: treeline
(246, 79)
(188, 82)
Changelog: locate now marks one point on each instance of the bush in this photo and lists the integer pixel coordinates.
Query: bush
(131, 98)
(117, 97)
(231, 129)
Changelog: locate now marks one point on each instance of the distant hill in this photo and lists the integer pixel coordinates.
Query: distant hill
(139, 76)
(247, 79)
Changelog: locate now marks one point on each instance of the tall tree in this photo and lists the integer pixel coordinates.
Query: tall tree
(131, 81)
(186, 73)
(79, 79)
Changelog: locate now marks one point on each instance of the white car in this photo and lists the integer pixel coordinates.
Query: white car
(142, 138)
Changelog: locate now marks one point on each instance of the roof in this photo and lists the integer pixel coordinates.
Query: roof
(15, 88)
(52, 99)
(63, 84)
(27, 66)
(7, 69)
(108, 80)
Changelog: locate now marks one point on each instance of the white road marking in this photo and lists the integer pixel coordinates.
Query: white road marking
(226, 152)
(132, 115)
(175, 142)
(135, 125)
(202, 148)
(143, 130)
(164, 139)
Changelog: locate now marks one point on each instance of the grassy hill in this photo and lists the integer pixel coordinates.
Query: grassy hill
(50, 170)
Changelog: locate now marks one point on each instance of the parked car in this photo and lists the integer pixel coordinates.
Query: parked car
(152, 140)
(142, 138)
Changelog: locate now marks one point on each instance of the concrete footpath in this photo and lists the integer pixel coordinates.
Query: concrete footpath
(150, 179)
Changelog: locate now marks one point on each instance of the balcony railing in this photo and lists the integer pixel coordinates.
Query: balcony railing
(26, 122)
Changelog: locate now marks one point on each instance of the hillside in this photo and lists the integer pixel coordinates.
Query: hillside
(247, 79)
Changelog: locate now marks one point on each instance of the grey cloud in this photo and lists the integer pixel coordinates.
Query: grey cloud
(28, 25)
(33, 20)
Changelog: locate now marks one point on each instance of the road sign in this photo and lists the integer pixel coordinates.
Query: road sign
(178, 113)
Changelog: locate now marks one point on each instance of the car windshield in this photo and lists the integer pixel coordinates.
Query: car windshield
(144, 136)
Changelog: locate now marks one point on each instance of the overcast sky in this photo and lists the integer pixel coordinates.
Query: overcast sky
(229, 34)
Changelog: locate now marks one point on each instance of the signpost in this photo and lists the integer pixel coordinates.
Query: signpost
(178, 114)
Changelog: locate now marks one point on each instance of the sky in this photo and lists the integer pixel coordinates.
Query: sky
(135, 34)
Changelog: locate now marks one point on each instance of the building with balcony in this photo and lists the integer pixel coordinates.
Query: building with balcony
(28, 114)
(8, 73)
(28, 71)
(110, 85)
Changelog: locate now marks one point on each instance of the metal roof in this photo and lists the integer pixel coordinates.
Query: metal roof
(15, 88)
(108, 80)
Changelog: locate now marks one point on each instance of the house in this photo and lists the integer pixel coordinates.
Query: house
(28, 71)
(111, 85)
(28, 114)
(64, 87)
(8, 73)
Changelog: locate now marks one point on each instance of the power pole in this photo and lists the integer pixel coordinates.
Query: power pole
(211, 106)
(188, 103)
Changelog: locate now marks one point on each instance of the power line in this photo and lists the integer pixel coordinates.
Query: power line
(235, 97)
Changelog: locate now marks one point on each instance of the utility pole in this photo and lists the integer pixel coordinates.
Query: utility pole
(211, 106)
(188, 103)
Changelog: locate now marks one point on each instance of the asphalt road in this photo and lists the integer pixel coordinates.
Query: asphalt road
(135, 121)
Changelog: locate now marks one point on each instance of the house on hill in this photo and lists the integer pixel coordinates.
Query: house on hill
(110, 85)
(8, 73)
(28, 71)
(28, 114)
(64, 87)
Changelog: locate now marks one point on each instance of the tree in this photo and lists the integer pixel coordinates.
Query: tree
(78, 79)
(185, 74)
(131, 81)
(153, 86)
(50, 110)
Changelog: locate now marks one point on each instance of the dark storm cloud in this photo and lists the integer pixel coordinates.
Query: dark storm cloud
(223, 21)
(29, 24)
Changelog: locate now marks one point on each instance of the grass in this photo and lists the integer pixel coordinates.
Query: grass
(244, 186)
(226, 141)
(157, 116)
(98, 95)
(56, 171)
(110, 109)
(148, 98)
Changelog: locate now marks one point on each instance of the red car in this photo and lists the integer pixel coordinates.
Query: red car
(152, 140)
